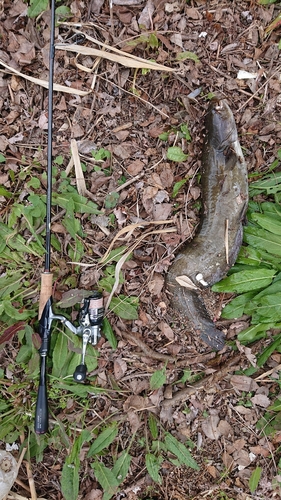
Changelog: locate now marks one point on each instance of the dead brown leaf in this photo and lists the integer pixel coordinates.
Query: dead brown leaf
(134, 421)
(156, 284)
(210, 427)
(243, 383)
(166, 330)
(225, 429)
(120, 368)
(261, 400)
(135, 167)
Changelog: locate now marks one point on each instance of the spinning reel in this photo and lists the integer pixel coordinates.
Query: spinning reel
(89, 327)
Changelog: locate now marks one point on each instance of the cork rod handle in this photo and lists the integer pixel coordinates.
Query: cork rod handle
(46, 290)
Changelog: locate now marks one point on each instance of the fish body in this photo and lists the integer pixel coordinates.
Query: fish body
(214, 249)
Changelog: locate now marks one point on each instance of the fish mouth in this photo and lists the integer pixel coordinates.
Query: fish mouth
(220, 125)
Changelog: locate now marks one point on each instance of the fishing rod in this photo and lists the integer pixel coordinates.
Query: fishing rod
(91, 309)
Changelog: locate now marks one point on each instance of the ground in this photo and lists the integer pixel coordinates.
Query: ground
(214, 48)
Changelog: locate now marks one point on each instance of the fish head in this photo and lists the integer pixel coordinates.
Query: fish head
(221, 130)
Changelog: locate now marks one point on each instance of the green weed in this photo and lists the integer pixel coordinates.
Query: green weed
(256, 276)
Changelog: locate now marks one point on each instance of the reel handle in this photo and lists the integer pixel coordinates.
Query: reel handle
(80, 373)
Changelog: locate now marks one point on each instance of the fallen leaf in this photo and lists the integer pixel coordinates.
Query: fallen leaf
(225, 429)
(3, 143)
(243, 383)
(166, 176)
(261, 400)
(146, 15)
(162, 211)
(227, 460)
(123, 150)
(16, 138)
(186, 282)
(120, 368)
(259, 450)
(8, 334)
(94, 494)
(58, 228)
(239, 444)
(212, 471)
(210, 427)
(156, 284)
(166, 330)
(135, 167)
(193, 13)
(134, 421)
(134, 403)
(241, 458)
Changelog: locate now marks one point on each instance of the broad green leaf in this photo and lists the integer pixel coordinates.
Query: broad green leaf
(181, 452)
(60, 355)
(269, 222)
(36, 7)
(235, 308)
(72, 297)
(275, 287)
(124, 307)
(34, 183)
(14, 313)
(12, 258)
(63, 11)
(106, 478)
(115, 255)
(108, 333)
(5, 429)
(16, 242)
(121, 466)
(101, 154)
(70, 482)
(111, 200)
(158, 379)
(153, 465)
(153, 41)
(268, 207)
(10, 282)
(72, 225)
(245, 281)
(104, 439)
(59, 159)
(73, 202)
(2, 158)
(81, 390)
(175, 153)
(5, 192)
(24, 354)
(266, 2)
(252, 333)
(164, 136)
(29, 214)
(64, 201)
(270, 184)
(249, 255)
(255, 479)
(185, 131)
(153, 427)
(276, 405)
(73, 457)
(269, 350)
(267, 309)
(76, 251)
(177, 187)
(182, 56)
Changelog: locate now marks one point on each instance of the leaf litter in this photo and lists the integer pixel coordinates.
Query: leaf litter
(201, 401)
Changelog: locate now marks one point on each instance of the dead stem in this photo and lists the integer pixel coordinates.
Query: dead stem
(206, 382)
